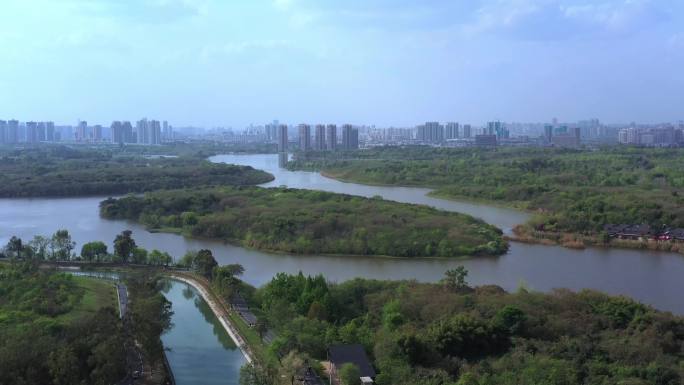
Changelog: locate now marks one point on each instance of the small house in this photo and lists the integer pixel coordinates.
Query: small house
(338, 355)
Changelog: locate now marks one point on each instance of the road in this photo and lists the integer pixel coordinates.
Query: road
(123, 299)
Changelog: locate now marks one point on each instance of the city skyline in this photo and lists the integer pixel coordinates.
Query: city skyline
(212, 63)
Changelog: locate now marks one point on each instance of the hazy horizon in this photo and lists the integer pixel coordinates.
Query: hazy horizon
(378, 62)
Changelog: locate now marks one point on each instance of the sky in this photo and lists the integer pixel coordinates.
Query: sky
(384, 62)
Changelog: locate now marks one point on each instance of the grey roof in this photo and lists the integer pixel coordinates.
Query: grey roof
(355, 354)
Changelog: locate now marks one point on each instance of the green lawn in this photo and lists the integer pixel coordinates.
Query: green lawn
(97, 294)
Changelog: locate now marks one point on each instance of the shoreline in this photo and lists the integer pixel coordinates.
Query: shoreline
(579, 241)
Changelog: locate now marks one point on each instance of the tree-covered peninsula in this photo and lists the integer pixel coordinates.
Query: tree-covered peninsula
(66, 171)
(575, 191)
(303, 221)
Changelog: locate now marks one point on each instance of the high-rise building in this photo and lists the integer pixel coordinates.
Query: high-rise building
(497, 128)
(167, 132)
(117, 132)
(304, 137)
(272, 131)
(3, 131)
(128, 134)
(50, 131)
(331, 137)
(142, 132)
(12, 131)
(31, 132)
(154, 131)
(97, 133)
(319, 137)
(430, 132)
(548, 133)
(350, 137)
(282, 138)
(467, 131)
(40, 132)
(452, 130)
(82, 131)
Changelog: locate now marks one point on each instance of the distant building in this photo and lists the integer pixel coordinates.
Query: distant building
(304, 137)
(31, 132)
(155, 132)
(350, 137)
(467, 131)
(548, 133)
(50, 131)
(167, 132)
(452, 130)
(142, 134)
(571, 138)
(485, 140)
(117, 132)
(331, 137)
(430, 132)
(12, 131)
(3, 131)
(40, 132)
(82, 131)
(282, 138)
(97, 133)
(319, 137)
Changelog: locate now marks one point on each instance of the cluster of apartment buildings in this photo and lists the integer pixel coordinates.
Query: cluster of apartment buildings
(11, 131)
(145, 132)
(666, 135)
(323, 138)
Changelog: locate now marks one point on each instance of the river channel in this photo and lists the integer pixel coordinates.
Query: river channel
(652, 277)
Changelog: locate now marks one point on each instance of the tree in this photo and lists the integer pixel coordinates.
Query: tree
(62, 245)
(251, 374)
(14, 247)
(40, 246)
(455, 279)
(159, 258)
(188, 260)
(205, 263)
(93, 251)
(139, 256)
(124, 245)
(350, 374)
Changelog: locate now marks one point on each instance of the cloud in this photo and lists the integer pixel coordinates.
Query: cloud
(211, 52)
(563, 19)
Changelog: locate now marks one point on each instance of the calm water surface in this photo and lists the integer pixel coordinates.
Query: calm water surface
(199, 349)
(652, 277)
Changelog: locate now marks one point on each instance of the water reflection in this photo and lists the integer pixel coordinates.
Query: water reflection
(199, 349)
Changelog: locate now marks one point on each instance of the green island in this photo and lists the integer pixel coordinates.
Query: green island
(74, 171)
(308, 222)
(574, 193)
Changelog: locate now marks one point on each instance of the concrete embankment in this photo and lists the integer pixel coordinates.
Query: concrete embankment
(221, 312)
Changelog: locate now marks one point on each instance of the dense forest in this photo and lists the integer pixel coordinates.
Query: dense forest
(67, 171)
(303, 221)
(451, 334)
(56, 330)
(574, 190)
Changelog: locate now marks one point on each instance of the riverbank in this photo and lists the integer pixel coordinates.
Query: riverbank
(524, 234)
